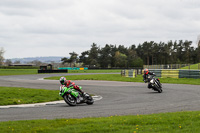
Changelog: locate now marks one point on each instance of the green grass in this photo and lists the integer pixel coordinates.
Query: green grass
(35, 71)
(180, 81)
(118, 77)
(109, 77)
(18, 95)
(193, 67)
(96, 71)
(17, 71)
(178, 122)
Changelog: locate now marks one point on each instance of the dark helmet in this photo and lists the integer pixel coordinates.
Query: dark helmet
(146, 71)
(62, 80)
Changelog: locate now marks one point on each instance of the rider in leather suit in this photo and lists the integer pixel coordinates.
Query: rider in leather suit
(145, 76)
(69, 83)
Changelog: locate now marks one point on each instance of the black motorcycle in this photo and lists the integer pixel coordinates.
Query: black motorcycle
(154, 83)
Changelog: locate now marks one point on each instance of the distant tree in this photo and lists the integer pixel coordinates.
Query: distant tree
(93, 55)
(65, 60)
(187, 49)
(120, 59)
(72, 60)
(1, 56)
(8, 62)
(193, 55)
(174, 55)
(147, 51)
(113, 50)
(169, 52)
(84, 58)
(180, 52)
(105, 56)
(140, 52)
(122, 49)
(198, 54)
(133, 59)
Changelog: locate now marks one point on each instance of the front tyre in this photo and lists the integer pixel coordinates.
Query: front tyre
(158, 86)
(70, 99)
(90, 100)
(159, 89)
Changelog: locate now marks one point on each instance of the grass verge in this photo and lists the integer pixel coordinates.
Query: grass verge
(118, 77)
(4, 72)
(164, 123)
(192, 67)
(17, 71)
(96, 71)
(18, 95)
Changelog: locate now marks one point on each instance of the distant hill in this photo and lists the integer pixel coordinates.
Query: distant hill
(42, 59)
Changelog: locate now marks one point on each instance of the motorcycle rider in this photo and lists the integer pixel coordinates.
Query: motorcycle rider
(145, 76)
(69, 83)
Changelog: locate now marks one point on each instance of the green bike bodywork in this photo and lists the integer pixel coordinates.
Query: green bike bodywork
(69, 90)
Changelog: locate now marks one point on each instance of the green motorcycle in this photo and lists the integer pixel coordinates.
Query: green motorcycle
(73, 97)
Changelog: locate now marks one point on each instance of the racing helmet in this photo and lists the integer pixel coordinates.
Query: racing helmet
(62, 80)
(146, 71)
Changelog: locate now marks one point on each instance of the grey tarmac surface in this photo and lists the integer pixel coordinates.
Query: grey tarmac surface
(119, 98)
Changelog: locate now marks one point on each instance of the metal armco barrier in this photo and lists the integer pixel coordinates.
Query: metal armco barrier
(166, 73)
(128, 73)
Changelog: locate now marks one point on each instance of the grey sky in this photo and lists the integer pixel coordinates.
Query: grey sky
(32, 28)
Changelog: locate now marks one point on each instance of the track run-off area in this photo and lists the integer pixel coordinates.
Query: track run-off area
(113, 98)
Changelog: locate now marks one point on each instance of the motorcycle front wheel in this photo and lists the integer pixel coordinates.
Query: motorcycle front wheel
(158, 86)
(90, 100)
(159, 89)
(70, 99)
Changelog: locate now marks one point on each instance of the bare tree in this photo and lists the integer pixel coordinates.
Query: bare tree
(1, 56)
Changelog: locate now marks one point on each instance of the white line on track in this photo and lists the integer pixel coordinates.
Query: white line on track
(96, 98)
(40, 79)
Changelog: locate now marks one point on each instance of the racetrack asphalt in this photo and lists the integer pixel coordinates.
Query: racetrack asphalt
(119, 98)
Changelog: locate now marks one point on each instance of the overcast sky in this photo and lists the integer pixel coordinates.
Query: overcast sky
(34, 28)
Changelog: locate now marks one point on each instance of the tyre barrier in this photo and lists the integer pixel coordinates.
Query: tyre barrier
(175, 73)
(189, 74)
(128, 73)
